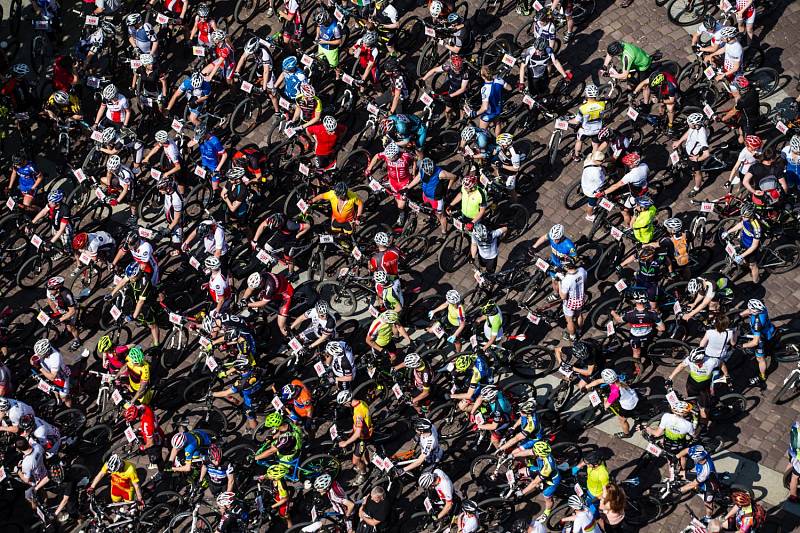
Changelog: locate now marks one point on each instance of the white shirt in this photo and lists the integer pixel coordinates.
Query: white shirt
(215, 241)
(714, 33)
(469, 523)
(429, 444)
(585, 523)
(218, 286)
(637, 176)
(16, 411)
(96, 240)
(747, 158)
(628, 398)
(573, 284)
(718, 343)
(173, 203)
(676, 424)
(696, 141)
(733, 54)
(592, 179)
(115, 111)
(444, 488)
(54, 363)
(33, 464)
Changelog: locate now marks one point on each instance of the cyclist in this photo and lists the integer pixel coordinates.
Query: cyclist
(467, 520)
(705, 481)
(635, 64)
(285, 443)
(280, 491)
(750, 236)
(677, 428)
(710, 27)
(496, 411)
(383, 331)
(530, 430)
(321, 327)
(11, 412)
(485, 246)
(665, 95)
(580, 359)
(766, 182)
(290, 79)
(763, 333)
(792, 454)
(584, 518)
(173, 158)
(204, 25)
(27, 176)
(407, 131)
(397, 93)
(339, 358)
(492, 319)
(114, 109)
(326, 136)
(388, 293)
(235, 196)
(572, 292)
(298, 403)
(479, 375)
(477, 143)
(144, 294)
(746, 111)
(437, 481)
(329, 37)
(336, 496)
(124, 480)
(435, 182)
(426, 446)
(40, 432)
(731, 52)
(261, 52)
(233, 513)
(346, 207)
(61, 107)
(707, 295)
(219, 285)
(400, 169)
(362, 433)
(119, 177)
(308, 107)
(546, 476)
(636, 180)
(246, 383)
(141, 35)
(701, 373)
(138, 371)
(534, 72)
(745, 516)
(456, 317)
(220, 472)
(293, 26)
(212, 237)
(152, 436)
(491, 100)
(49, 362)
(386, 258)
(616, 141)
(561, 247)
(212, 153)
(745, 159)
(650, 273)
(421, 379)
(458, 79)
(621, 400)
(267, 288)
(59, 216)
(197, 90)
(188, 446)
(31, 470)
(225, 57)
(791, 156)
(254, 161)
(641, 322)
(695, 143)
(643, 222)
(142, 253)
(122, 143)
(285, 237)
(506, 161)
(474, 201)
(590, 116)
(63, 308)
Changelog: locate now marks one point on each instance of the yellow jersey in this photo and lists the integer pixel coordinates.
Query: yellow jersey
(343, 211)
(362, 419)
(73, 107)
(123, 480)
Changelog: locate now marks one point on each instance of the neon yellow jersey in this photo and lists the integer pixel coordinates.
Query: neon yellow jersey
(596, 479)
(643, 225)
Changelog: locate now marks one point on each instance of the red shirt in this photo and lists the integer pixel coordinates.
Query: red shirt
(387, 261)
(62, 78)
(326, 142)
(149, 427)
(399, 170)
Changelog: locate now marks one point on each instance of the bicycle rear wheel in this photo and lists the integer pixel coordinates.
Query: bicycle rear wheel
(340, 298)
(668, 352)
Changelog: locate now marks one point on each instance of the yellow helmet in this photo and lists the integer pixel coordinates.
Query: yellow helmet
(278, 471)
(542, 449)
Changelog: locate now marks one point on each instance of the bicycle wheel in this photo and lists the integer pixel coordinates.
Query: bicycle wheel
(495, 513)
(150, 205)
(339, 297)
(766, 81)
(612, 256)
(628, 369)
(245, 10)
(449, 420)
(85, 282)
(244, 118)
(560, 395)
(590, 255)
(410, 35)
(531, 362)
(371, 391)
(789, 389)
(197, 389)
(40, 53)
(421, 522)
(188, 521)
(70, 421)
(668, 352)
(780, 259)
(316, 465)
(574, 197)
(686, 12)
(415, 249)
(34, 272)
(487, 471)
(788, 348)
(212, 419)
(94, 439)
(238, 454)
(155, 518)
(525, 36)
(601, 313)
(554, 519)
(454, 252)
(514, 217)
(428, 58)
(728, 407)
(642, 510)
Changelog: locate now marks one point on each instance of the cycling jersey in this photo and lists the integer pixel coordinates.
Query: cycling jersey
(703, 372)
(174, 6)
(226, 58)
(761, 326)
(561, 249)
(676, 428)
(362, 420)
(500, 410)
(591, 116)
(644, 225)
(73, 107)
(586, 521)
(530, 426)
(171, 152)
(443, 487)
(319, 326)
(634, 58)
(492, 96)
(669, 87)
(650, 269)
(46, 435)
(641, 323)
(292, 81)
(326, 141)
(343, 211)
(27, 175)
(218, 287)
(211, 151)
(493, 325)
(386, 260)
(309, 107)
(382, 332)
(63, 300)
(122, 481)
(398, 170)
(733, 55)
(301, 405)
(537, 62)
(144, 37)
(193, 94)
(432, 186)
(480, 374)
(137, 373)
(455, 314)
(455, 79)
(427, 446)
(422, 377)
(473, 201)
(149, 427)
(751, 231)
(331, 32)
(218, 473)
(792, 173)
(204, 30)
(596, 479)
(197, 442)
(117, 109)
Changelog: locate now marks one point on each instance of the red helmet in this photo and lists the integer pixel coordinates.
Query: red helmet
(387, 126)
(740, 498)
(456, 62)
(214, 453)
(741, 82)
(470, 181)
(631, 160)
(753, 142)
(80, 240)
(131, 414)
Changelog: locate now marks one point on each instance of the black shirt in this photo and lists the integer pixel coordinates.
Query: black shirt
(748, 104)
(377, 510)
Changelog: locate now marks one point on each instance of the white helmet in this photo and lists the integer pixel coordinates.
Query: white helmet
(208, 323)
(591, 91)
(468, 133)
(225, 499)
(113, 163)
(196, 80)
(453, 297)
(427, 166)
(344, 397)
(728, 32)
(334, 348)
(147, 59)
(391, 150)
(321, 308)
(114, 463)
(42, 347)
(254, 280)
(427, 478)
(695, 119)
(61, 97)
(436, 8)
(576, 502)
(556, 232)
(369, 38)
(673, 225)
(110, 91)
(794, 144)
(252, 45)
(329, 123)
(212, 262)
(697, 354)
(412, 360)
(382, 238)
(323, 482)
(381, 277)
(162, 136)
(609, 375)
(109, 134)
(754, 304)
(489, 393)
(133, 19)
(217, 36)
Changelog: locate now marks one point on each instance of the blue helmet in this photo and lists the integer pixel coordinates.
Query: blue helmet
(289, 64)
(401, 125)
(56, 196)
(132, 270)
(483, 140)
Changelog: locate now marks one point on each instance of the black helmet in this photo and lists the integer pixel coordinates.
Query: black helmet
(203, 229)
(614, 48)
(422, 425)
(540, 44)
(581, 350)
(132, 238)
(710, 22)
(26, 422)
(19, 159)
(391, 65)
(340, 189)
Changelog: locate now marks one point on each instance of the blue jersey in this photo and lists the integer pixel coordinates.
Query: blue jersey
(492, 94)
(761, 326)
(751, 231)
(792, 168)
(409, 128)
(292, 81)
(500, 409)
(704, 472)
(559, 250)
(530, 426)
(191, 92)
(197, 442)
(27, 177)
(331, 32)
(211, 151)
(430, 184)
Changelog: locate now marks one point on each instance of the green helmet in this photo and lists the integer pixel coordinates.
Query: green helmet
(104, 344)
(488, 307)
(136, 355)
(541, 448)
(273, 420)
(463, 362)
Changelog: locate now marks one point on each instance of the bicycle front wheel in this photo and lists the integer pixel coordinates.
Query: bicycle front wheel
(188, 521)
(668, 352)
(339, 297)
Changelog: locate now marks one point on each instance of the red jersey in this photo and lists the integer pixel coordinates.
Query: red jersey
(149, 428)
(387, 261)
(176, 6)
(326, 142)
(203, 30)
(399, 170)
(62, 77)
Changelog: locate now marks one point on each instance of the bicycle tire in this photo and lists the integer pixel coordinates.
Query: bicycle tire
(70, 421)
(420, 522)
(484, 471)
(33, 272)
(668, 352)
(449, 421)
(788, 349)
(495, 512)
(211, 418)
(789, 389)
(428, 58)
(239, 452)
(86, 282)
(574, 198)
(787, 254)
(560, 395)
(415, 249)
(14, 18)
(319, 464)
(93, 439)
(155, 518)
(245, 10)
(766, 81)
(501, 45)
(454, 252)
(339, 297)
(642, 510)
(531, 362)
(612, 256)
(244, 118)
(686, 12)
(197, 389)
(728, 407)
(601, 313)
(525, 36)
(178, 523)
(410, 34)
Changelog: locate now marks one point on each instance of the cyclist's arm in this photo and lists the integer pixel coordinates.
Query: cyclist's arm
(174, 98)
(153, 151)
(403, 333)
(62, 227)
(431, 72)
(753, 247)
(99, 115)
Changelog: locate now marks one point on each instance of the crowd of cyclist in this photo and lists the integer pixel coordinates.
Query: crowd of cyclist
(251, 258)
